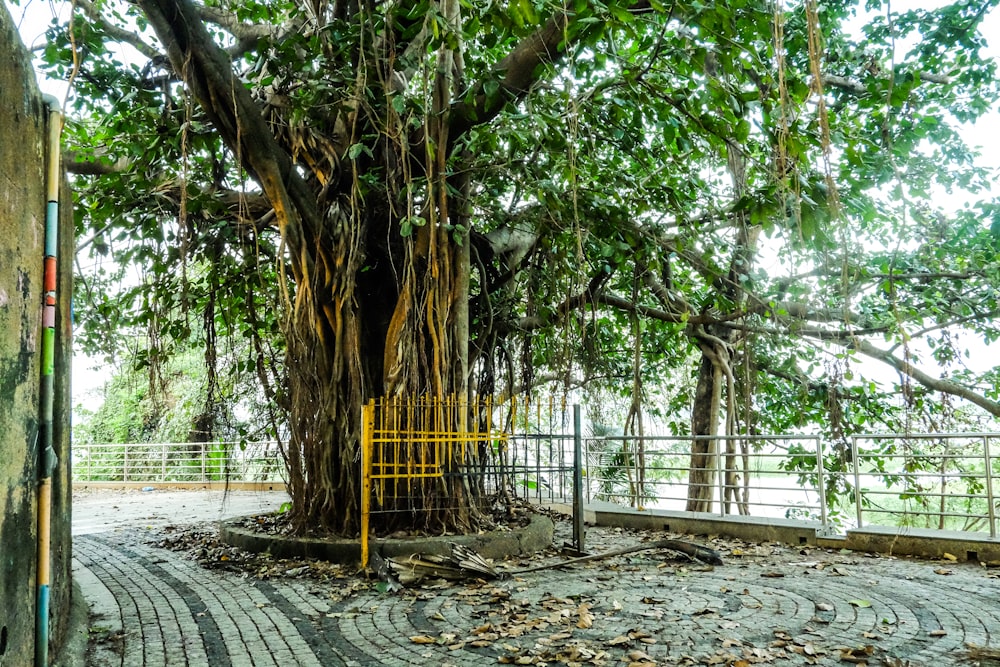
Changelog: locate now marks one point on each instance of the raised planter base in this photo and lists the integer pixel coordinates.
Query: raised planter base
(537, 535)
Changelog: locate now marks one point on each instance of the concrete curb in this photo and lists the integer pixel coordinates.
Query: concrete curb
(899, 541)
(73, 652)
(537, 535)
(925, 543)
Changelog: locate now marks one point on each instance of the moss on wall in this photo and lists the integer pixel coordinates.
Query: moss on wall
(23, 120)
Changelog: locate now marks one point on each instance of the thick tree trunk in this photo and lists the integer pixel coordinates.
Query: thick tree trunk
(402, 329)
(366, 308)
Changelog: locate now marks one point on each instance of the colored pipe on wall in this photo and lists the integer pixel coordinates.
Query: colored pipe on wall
(47, 460)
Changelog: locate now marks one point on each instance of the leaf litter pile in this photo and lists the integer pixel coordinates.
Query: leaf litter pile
(512, 620)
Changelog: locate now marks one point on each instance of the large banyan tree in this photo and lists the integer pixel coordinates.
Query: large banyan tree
(440, 197)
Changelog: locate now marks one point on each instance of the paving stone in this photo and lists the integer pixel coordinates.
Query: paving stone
(173, 612)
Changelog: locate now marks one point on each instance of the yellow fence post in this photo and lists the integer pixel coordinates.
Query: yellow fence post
(367, 430)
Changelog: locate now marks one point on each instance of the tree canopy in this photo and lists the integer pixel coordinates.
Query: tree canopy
(714, 210)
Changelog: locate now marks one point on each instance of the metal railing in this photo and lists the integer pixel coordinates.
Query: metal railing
(655, 472)
(178, 462)
(935, 481)
(940, 481)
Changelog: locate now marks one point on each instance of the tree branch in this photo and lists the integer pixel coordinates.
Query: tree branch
(247, 34)
(513, 242)
(520, 69)
(591, 294)
(93, 165)
(207, 71)
(855, 87)
(932, 383)
(114, 31)
(245, 205)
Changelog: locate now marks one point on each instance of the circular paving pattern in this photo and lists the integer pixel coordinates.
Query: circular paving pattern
(841, 610)
(770, 605)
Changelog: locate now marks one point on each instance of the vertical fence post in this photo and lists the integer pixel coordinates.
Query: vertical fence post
(163, 462)
(367, 425)
(577, 480)
(857, 480)
(562, 453)
(125, 464)
(821, 484)
(991, 510)
(538, 449)
(721, 475)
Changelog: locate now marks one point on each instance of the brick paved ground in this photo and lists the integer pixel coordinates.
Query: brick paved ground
(158, 607)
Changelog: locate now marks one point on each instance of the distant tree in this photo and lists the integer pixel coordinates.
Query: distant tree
(180, 407)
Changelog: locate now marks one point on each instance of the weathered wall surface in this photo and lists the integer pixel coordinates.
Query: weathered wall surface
(23, 121)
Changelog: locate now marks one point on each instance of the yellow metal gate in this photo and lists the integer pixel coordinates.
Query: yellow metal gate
(405, 441)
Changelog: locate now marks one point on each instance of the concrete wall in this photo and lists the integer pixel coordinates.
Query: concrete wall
(23, 121)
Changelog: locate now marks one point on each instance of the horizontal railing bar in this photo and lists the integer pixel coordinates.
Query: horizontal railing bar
(924, 513)
(925, 436)
(898, 494)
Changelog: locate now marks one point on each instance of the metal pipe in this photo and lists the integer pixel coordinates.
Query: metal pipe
(821, 486)
(578, 530)
(991, 511)
(720, 476)
(857, 480)
(47, 456)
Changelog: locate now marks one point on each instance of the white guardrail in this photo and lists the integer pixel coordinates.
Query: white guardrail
(178, 462)
(940, 481)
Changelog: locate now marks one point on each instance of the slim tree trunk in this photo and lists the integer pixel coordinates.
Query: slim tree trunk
(704, 421)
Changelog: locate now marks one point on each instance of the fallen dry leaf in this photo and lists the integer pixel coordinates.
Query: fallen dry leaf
(423, 639)
(858, 654)
(637, 656)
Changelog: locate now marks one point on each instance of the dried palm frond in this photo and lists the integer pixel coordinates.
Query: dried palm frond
(463, 563)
